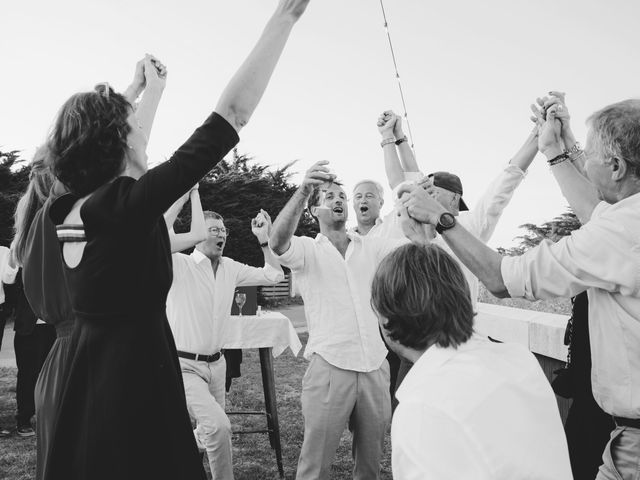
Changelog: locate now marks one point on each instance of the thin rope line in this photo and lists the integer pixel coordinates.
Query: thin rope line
(395, 66)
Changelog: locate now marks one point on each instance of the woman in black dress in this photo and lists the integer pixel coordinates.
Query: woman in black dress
(123, 413)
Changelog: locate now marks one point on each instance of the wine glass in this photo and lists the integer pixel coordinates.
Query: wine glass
(241, 298)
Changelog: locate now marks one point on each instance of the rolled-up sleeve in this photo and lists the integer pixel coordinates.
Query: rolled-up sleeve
(267, 275)
(602, 254)
(294, 257)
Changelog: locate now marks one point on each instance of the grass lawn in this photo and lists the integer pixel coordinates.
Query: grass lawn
(252, 456)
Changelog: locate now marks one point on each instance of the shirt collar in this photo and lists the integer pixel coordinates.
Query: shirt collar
(198, 256)
(320, 238)
(355, 229)
(430, 361)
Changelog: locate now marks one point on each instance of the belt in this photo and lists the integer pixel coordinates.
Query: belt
(200, 358)
(627, 422)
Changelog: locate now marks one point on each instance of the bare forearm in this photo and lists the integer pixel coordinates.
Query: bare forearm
(146, 112)
(174, 210)
(198, 225)
(407, 159)
(527, 153)
(483, 262)
(287, 222)
(392, 166)
(244, 91)
(579, 192)
(132, 92)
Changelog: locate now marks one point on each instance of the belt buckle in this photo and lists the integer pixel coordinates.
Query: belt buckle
(197, 357)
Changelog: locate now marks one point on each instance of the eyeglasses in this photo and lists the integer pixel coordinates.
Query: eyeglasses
(218, 230)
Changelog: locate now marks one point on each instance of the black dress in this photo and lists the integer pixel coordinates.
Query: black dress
(45, 288)
(123, 413)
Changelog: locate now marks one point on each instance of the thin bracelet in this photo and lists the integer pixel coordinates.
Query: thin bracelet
(558, 159)
(387, 141)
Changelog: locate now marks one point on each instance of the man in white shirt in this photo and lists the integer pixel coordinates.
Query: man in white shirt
(347, 381)
(601, 258)
(368, 199)
(469, 408)
(198, 309)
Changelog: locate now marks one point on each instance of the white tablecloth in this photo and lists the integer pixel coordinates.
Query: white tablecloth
(271, 329)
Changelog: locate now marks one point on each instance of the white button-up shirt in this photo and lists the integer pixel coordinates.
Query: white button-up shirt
(483, 411)
(343, 329)
(199, 302)
(602, 257)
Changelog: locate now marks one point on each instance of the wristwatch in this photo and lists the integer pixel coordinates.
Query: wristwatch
(265, 244)
(445, 222)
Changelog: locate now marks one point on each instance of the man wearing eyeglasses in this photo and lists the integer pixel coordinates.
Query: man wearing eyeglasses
(198, 307)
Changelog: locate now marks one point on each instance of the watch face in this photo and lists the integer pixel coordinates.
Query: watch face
(447, 220)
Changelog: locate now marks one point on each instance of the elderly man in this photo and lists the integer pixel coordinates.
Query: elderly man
(368, 199)
(347, 381)
(198, 309)
(469, 407)
(601, 257)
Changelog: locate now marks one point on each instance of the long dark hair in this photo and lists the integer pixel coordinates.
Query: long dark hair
(40, 182)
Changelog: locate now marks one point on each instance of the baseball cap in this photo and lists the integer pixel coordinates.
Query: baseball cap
(450, 182)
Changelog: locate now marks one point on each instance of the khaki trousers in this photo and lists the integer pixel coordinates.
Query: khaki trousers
(204, 389)
(333, 398)
(621, 456)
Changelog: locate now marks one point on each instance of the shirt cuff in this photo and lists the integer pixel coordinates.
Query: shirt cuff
(516, 170)
(513, 276)
(273, 274)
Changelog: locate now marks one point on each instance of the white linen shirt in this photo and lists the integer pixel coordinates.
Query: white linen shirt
(602, 257)
(343, 329)
(483, 411)
(199, 303)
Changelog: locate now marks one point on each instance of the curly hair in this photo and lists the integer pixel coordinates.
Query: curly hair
(40, 182)
(424, 297)
(88, 140)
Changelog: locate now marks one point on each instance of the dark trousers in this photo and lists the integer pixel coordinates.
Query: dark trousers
(4, 313)
(31, 352)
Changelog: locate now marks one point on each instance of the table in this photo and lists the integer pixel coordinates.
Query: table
(271, 333)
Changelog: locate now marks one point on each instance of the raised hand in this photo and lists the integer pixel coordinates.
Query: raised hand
(397, 127)
(292, 8)
(550, 141)
(420, 205)
(155, 73)
(411, 228)
(386, 124)
(315, 176)
(261, 226)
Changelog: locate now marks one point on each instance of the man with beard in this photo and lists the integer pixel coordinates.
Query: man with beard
(347, 380)
(198, 307)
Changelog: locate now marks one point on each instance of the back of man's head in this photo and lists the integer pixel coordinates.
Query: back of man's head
(616, 128)
(423, 297)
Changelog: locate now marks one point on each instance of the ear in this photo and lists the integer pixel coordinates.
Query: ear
(619, 169)
(381, 202)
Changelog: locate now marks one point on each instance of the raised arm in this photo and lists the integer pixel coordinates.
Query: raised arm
(392, 165)
(156, 190)
(198, 229)
(407, 159)
(133, 91)
(155, 74)
(244, 91)
(574, 185)
(287, 220)
(483, 262)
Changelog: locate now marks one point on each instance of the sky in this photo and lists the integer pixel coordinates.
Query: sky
(469, 72)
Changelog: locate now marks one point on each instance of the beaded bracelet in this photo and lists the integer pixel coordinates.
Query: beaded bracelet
(558, 159)
(387, 141)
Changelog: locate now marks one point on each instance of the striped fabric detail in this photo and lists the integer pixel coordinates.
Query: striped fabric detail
(71, 233)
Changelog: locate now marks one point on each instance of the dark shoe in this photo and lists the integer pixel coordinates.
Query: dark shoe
(25, 431)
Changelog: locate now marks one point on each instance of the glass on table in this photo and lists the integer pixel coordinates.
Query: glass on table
(241, 299)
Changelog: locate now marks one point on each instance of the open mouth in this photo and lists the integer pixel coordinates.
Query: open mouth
(364, 208)
(338, 210)
(220, 244)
